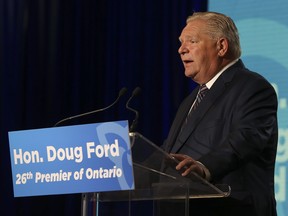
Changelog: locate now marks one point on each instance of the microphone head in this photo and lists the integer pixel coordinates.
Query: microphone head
(122, 92)
(136, 91)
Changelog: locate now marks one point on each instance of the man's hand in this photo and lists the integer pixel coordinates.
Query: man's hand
(189, 164)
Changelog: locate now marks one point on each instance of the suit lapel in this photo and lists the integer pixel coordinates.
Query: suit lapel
(179, 119)
(180, 137)
(196, 118)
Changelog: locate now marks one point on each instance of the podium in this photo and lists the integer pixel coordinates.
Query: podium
(156, 180)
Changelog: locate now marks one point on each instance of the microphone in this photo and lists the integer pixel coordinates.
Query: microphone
(136, 91)
(120, 94)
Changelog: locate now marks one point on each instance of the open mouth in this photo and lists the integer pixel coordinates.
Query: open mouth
(187, 62)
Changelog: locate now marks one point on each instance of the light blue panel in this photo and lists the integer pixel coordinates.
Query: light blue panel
(263, 28)
(73, 159)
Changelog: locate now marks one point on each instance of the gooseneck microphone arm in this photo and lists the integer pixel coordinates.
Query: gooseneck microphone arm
(133, 126)
(121, 93)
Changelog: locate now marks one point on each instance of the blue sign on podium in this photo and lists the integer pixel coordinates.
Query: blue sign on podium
(72, 159)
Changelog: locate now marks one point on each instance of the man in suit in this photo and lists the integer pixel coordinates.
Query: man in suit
(229, 134)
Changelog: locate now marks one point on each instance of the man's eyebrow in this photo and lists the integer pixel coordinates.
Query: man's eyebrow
(186, 38)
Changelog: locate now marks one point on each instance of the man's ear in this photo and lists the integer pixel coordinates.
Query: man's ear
(222, 46)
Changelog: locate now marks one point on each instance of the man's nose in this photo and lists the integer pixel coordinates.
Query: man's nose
(183, 49)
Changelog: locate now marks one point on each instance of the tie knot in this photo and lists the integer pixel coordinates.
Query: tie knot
(202, 90)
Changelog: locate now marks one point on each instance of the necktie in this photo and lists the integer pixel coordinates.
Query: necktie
(200, 95)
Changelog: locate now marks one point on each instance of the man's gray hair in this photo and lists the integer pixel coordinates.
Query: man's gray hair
(220, 25)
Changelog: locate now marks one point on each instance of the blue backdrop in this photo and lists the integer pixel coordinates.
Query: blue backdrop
(263, 28)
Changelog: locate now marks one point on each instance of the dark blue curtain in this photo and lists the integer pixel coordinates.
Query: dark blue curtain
(62, 58)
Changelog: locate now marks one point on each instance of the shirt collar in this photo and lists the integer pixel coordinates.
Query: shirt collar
(212, 81)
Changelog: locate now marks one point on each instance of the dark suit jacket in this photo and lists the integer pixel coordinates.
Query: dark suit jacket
(234, 133)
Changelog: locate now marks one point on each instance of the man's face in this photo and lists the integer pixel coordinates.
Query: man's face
(198, 52)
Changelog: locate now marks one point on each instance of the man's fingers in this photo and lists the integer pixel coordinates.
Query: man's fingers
(187, 162)
(192, 168)
(179, 157)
